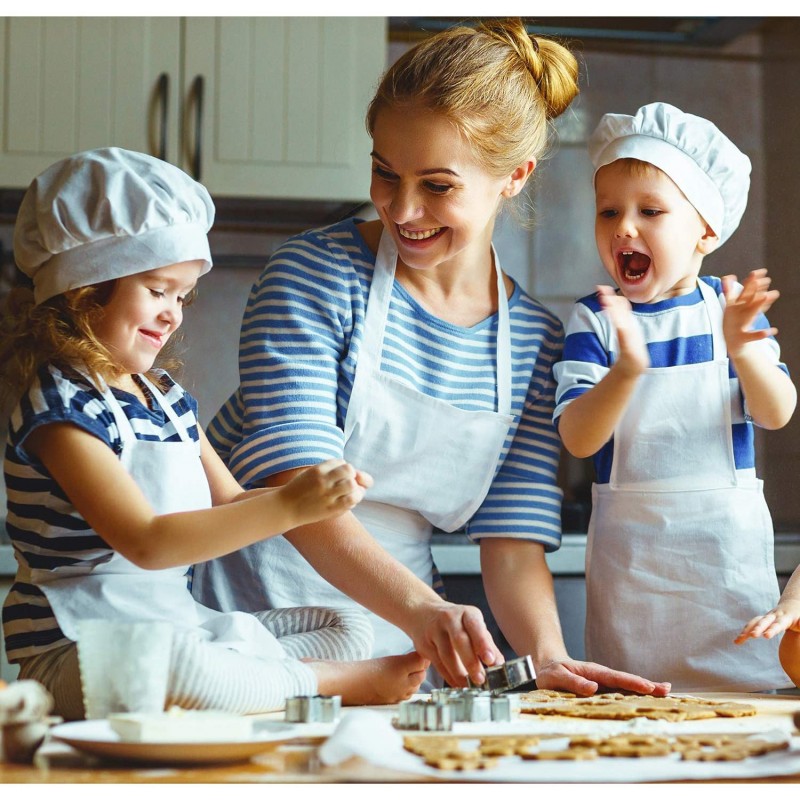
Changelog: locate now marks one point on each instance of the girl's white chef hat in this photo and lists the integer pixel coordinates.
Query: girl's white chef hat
(109, 213)
(705, 165)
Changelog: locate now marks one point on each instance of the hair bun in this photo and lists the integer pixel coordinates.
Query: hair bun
(552, 66)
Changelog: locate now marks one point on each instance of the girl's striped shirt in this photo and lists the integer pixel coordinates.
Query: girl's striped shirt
(677, 331)
(300, 339)
(47, 532)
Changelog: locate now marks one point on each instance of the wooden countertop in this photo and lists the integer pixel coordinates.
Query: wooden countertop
(295, 762)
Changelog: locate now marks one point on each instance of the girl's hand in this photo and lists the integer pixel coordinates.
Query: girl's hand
(784, 617)
(633, 358)
(325, 490)
(742, 310)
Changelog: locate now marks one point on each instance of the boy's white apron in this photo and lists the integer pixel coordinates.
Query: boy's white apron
(680, 548)
(432, 464)
(171, 476)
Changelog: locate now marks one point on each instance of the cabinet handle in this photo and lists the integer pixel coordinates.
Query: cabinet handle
(198, 89)
(163, 95)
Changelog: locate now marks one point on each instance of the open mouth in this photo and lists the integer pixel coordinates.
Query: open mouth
(633, 266)
(418, 236)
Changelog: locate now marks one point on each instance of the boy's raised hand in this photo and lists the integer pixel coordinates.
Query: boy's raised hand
(742, 309)
(633, 357)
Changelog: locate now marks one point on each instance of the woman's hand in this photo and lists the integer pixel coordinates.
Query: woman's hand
(585, 677)
(456, 641)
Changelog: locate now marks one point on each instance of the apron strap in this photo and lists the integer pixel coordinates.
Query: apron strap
(167, 408)
(124, 426)
(714, 309)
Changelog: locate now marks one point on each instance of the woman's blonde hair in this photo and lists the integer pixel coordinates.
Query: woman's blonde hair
(59, 331)
(497, 84)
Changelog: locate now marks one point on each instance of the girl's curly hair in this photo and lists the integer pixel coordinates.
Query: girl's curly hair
(59, 331)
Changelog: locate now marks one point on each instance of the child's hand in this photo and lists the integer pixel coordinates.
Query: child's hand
(742, 310)
(785, 616)
(325, 490)
(633, 357)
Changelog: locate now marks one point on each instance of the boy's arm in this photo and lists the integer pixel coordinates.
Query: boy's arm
(770, 394)
(588, 422)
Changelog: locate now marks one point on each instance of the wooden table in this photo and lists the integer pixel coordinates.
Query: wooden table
(293, 762)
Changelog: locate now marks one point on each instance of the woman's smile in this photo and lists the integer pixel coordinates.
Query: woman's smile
(418, 235)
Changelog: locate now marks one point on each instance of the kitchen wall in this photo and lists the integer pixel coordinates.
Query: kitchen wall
(554, 255)
(780, 87)
(746, 88)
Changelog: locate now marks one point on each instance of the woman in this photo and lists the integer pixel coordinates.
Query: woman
(400, 343)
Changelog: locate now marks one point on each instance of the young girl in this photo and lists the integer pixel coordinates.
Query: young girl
(112, 486)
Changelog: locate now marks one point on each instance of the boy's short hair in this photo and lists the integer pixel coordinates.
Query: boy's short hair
(707, 167)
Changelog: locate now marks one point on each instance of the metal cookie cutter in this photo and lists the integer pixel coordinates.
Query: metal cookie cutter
(313, 708)
(507, 676)
(425, 715)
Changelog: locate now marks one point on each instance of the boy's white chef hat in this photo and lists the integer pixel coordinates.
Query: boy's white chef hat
(705, 165)
(108, 213)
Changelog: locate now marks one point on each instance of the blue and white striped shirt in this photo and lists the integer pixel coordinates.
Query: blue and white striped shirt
(677, 332)
(45, 529)
(301, 334)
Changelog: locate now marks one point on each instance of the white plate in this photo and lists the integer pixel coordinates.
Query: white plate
(98, 739)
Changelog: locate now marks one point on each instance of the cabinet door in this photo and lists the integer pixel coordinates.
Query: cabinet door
(282, 104)
(69, 84)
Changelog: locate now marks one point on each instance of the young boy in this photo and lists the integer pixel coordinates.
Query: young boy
(662, 382)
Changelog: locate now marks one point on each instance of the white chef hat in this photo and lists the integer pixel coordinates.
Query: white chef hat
(108, 213)
(705, 165)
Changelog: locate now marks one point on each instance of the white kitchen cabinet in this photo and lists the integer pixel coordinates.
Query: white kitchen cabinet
(261, 107)
(69, 84)
(280, 104)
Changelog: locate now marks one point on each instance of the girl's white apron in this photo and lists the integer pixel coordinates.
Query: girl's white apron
(171, 476)
(680, 548)
(432, 464)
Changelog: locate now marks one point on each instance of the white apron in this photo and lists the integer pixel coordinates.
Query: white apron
(432, 463)
(680, 548)
(172, 479)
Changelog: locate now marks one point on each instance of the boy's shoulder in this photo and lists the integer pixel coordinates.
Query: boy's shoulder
(590, 302)
(713, 281)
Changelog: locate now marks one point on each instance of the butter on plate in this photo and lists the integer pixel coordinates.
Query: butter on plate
(179, 725)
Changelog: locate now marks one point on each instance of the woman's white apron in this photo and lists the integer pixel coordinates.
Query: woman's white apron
(680, 548)
(171, 476)
(432, 464)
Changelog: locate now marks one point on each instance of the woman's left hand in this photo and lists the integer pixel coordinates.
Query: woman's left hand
(585, 677)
